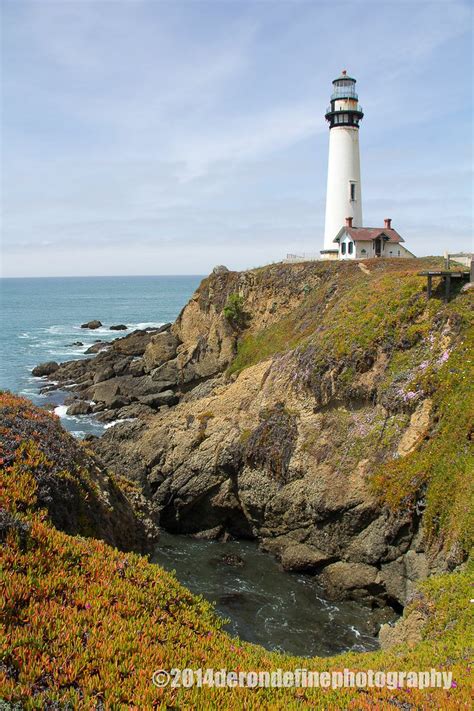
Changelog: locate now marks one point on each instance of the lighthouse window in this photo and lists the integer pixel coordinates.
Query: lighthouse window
(353, 191)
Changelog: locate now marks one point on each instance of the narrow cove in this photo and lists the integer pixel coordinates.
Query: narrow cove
(265, 605)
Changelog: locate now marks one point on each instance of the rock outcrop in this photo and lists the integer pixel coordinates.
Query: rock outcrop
(54, 472)
(92, 325)
(45, 369)
(276, 431)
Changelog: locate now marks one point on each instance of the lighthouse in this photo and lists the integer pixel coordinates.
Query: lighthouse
(344, 194)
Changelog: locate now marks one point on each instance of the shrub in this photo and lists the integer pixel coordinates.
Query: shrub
(234, 311)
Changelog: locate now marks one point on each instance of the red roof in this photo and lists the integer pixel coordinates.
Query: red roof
(367, 234)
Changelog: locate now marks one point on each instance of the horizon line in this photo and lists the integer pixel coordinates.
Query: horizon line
(99, 276)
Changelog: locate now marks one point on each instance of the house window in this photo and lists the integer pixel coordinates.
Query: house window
(363, 251)
(343, 248)
(350, 247)
(398, 252)
(352, 191)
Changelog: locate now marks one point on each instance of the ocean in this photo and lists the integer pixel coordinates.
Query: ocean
(41, 318)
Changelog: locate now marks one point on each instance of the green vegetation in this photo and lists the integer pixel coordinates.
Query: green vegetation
(234, 311)
(441, 469)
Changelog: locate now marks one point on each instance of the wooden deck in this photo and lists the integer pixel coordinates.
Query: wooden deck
(448, 276)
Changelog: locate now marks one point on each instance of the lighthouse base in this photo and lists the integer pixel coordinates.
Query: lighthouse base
(329, 253)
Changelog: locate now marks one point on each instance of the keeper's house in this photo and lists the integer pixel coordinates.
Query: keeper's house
(369, 242)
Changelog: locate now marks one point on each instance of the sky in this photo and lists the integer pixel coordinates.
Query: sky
(149, 137)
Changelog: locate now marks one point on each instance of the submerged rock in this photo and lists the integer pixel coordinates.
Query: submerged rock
(118, 327)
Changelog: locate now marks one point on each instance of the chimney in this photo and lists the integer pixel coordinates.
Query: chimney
(388, 223)
(349, 221)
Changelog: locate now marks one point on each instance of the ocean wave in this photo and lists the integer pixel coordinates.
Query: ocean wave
(61, 411)
(117, 422)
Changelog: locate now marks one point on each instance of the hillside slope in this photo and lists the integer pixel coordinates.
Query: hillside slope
(45, 468)
(84, 626)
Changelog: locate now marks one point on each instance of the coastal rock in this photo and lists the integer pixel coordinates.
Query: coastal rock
(98, 347)
(268, 434)
(104, 374)
(45, 369)
(118, 327)
(78, 494)
(167, 397)
(352, 580)
(136, 367)
(92, 325)
(300, 557)
(220, 269)
(134, 343)
(105, 392)
(167, 372)
(80, 407)
(407, 631)
(161, 348)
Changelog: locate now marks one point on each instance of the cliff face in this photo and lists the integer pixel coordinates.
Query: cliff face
(45, 468)
(321, 426)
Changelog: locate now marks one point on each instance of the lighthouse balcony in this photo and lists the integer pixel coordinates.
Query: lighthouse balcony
(357, 108)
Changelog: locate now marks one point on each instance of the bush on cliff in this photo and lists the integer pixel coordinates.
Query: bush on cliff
(234, 311)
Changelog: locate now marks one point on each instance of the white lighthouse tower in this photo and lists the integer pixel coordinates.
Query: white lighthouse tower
(344, 194)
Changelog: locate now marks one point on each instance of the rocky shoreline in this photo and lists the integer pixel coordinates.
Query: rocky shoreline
(276, 451)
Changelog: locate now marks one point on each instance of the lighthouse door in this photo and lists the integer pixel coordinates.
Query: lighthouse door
(378, 247)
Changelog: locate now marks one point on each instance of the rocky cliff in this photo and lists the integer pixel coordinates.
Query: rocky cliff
(330, 420)
(45, 469)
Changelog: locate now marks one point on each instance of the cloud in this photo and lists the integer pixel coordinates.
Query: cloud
(196, 127)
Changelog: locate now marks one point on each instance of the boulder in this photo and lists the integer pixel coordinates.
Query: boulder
(167, 397)
(98, 347)
(343, 579)
(136, 367)
(118, 401)
(133, 344)
(299, 557)
(45, 368)
(119, 327)
(81, 407)
(92, 325)
(135, 409)
(220, 269)
(161, 348)
(121, 367)
(408, 631)
(168, 371)
(105, 392)
(210, 534)
(104, 374)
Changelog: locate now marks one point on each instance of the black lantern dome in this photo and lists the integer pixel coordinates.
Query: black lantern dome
(344, 109)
